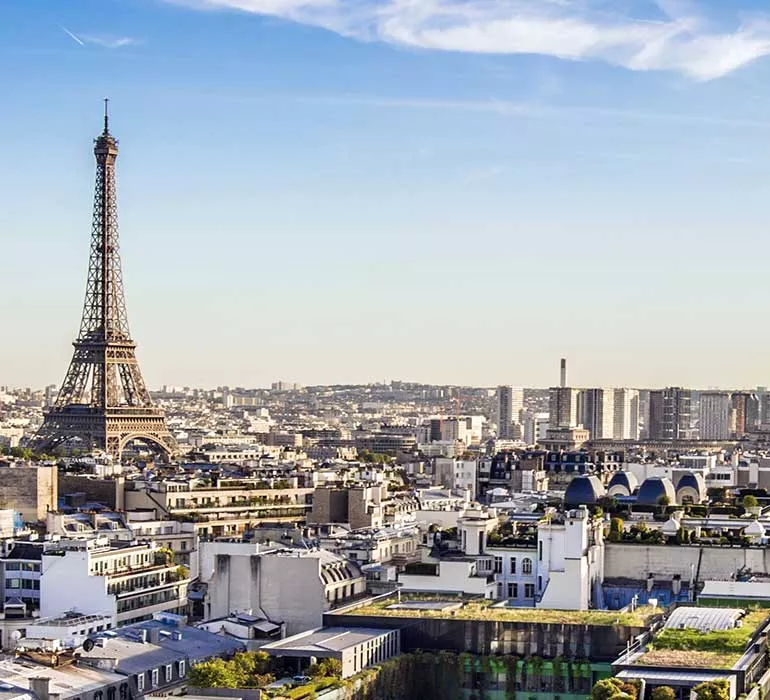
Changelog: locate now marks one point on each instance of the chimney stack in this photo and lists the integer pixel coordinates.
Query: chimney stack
(563, 380)
(40, 685)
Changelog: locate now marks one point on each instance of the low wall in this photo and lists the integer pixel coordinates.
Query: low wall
(636, 561)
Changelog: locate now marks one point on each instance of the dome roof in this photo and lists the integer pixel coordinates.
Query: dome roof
(623, 483)
(653, 488)
(692, 482)
(584, 490)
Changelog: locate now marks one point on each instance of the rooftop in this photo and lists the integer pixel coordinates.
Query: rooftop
(326, 639)
(480, 609)
(66, 681)
(693, 647)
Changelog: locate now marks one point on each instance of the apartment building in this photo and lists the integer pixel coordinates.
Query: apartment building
(126, 582)
(218, 506)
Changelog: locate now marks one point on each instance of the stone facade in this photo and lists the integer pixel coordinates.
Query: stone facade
(31, 491)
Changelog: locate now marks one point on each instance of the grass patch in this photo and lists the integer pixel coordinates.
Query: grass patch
(694, 649)
(673, 658)
(483, 610)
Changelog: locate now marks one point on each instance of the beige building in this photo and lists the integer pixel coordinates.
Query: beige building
(218, 507)
(29, 490)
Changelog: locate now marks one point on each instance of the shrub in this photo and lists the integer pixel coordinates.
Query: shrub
(663, 692)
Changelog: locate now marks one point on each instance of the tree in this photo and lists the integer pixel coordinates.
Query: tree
(326, 668)
(713, 690)
(663, 692)
(750, 502)
(606, 689)
(216, 673)
(616, 530)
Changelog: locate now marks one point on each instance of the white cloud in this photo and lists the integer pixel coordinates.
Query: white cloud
(680, 40)
(109, 42)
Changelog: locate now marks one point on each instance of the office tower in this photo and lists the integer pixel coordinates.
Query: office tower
(715, 414)
(598, 412)
(563, 407)
(626, 415)
(745, 408)
(510, 402)
(670, 414)
(103, 400)
(752, 413)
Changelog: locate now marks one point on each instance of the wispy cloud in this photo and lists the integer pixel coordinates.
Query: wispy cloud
(72, 36)
(103, 40)
(673, 35)
(509, 108)
(109, 42)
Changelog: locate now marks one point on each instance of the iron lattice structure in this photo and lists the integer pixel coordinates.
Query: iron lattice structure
(103, 401)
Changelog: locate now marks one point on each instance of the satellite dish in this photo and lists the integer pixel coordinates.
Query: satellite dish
(88, 645)
(16, 635)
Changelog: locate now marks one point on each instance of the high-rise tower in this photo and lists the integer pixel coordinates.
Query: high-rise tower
(103, 401)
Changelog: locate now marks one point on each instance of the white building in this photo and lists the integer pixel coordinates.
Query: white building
(626, 414)
(562, 568)
(510, 403)
(598, 412)
(715, 414)
(356, 648)
(125, 583)
(295, 586)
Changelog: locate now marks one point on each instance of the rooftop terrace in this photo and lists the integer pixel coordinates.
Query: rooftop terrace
(693, 648)
(480, 609)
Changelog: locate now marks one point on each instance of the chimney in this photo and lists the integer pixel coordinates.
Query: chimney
(154, 635)
(563, 379)
(39, 685)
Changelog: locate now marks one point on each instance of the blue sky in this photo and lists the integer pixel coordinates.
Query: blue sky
(453, 191)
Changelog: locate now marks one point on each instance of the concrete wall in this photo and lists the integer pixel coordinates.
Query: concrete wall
(595, 642)
(31, 491)
(636, 561)
(66, 585)
(107, 491)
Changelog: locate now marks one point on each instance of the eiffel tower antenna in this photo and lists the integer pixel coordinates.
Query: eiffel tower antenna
(103, 402)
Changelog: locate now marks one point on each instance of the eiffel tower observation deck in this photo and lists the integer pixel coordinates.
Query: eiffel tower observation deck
(103, 402)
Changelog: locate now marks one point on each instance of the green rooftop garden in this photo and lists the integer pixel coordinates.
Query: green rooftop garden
(693, 649)
(480, 609)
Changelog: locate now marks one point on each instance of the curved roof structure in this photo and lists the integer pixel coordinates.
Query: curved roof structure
(584, 490)
(622, 484)
(653, 488)
(691, 485)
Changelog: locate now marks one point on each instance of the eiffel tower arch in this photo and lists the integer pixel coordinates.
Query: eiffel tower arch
(103, 401)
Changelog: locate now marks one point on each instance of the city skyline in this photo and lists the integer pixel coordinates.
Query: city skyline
(339, 199)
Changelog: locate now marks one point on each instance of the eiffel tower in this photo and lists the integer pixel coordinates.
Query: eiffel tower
(103, 401)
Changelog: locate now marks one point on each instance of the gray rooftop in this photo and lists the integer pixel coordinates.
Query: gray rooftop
(325, 640)
(66, 681)
(663, 676)
(704, 619)
(758, 590)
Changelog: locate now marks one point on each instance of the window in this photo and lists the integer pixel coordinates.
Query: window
(529, 590)
(526, 566)
(539, 583)
(540, 550)
(154, 677)
(513, 590)
(169, 674)
(498, 565)
(182, 668)
(513, 565)
(140, 682)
